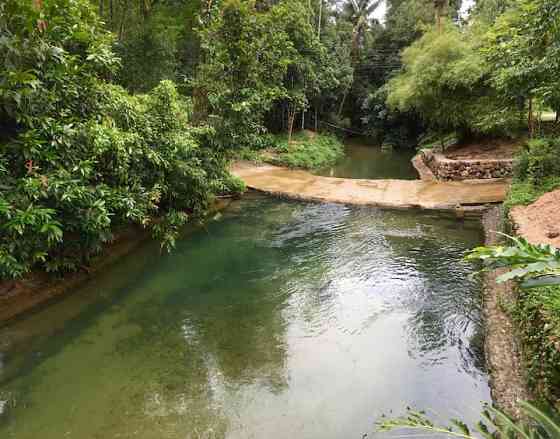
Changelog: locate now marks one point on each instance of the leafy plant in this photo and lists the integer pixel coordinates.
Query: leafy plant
(536, 309)
(443, 79)
(541, 424)
(532, 264)
(84, 158)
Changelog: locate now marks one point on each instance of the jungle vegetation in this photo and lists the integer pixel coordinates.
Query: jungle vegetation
(120, 113)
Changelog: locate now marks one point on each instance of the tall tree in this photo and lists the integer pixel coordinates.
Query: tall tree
(359, 12)
(523, 48)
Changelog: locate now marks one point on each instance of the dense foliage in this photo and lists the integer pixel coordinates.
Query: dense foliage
(537, 171)
(82, 156)
(536, 310)
(537, 313)
(444, 79)
(260, 68)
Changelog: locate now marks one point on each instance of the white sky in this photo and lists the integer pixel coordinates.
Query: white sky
(379, 13)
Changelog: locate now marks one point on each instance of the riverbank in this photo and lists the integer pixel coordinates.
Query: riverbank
(38, 289)
(537, 310)
(306, 150)
(503, 352)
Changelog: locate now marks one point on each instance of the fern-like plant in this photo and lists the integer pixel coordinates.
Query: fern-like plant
(540, 424)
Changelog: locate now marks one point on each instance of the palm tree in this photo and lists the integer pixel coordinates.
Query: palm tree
(358, 12)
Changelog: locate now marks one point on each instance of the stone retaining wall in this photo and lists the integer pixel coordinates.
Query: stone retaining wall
(449, 169)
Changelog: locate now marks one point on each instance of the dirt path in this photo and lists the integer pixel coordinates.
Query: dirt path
(397, 194)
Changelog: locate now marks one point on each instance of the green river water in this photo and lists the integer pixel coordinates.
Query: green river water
(276, 320)
(365, 160)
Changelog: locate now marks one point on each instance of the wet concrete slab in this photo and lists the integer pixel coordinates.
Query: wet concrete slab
(394, 194)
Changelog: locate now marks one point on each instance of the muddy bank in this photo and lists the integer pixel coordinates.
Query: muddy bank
(39, 288)
(503, 352)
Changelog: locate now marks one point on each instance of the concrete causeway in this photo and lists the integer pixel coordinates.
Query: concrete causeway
(393, 194)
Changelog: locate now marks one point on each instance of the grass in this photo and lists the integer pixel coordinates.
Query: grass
(537, 172)
(523, 192)
(306, 151)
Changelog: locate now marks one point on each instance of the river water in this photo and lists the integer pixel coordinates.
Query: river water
(276, 320)
(366, 160)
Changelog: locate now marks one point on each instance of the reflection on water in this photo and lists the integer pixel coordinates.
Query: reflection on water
(277, 320)
(371, 162)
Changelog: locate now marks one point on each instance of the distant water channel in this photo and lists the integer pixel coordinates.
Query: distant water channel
(364, 160)
(276, 320)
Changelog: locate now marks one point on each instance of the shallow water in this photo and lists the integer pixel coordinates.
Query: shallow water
(363, 160)
(277, 320)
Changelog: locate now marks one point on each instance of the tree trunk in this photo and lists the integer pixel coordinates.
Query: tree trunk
(530, 118)
(343, 100)
(320, 18)
(200, 105)
(303, 120)
(291, 117)
(440, 6)
(123, 17)
(316, 119)
(355, 46)
(145, 9)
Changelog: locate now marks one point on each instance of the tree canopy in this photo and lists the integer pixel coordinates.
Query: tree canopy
(119, 112)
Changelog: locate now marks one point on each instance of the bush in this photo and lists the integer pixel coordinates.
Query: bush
(537, 311)
(84, 157)
(307, 152)
(539, 161)
(537, 171)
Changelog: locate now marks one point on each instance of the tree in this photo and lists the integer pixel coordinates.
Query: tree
(523, 49)
(444, 80)
(83, 157)
(358, 12)
(257, 63)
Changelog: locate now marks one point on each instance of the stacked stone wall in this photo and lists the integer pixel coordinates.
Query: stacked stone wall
(447, 169)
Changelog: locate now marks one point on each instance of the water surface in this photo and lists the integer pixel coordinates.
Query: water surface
(277, 320)
(363, 160)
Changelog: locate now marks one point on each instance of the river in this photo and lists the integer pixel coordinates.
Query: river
(275, 320)
(365, 160)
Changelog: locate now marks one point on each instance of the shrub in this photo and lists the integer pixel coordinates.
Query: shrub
(537, 311)
(307, 152)
(539, 161)
(84, 157)
(537, 171)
